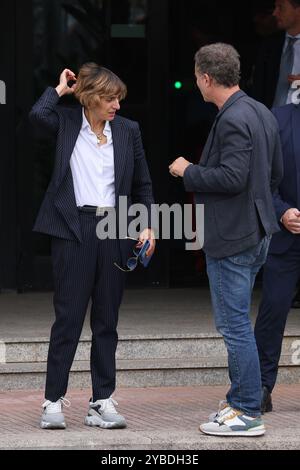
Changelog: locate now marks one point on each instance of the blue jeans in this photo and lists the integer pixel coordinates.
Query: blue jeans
(231, 282)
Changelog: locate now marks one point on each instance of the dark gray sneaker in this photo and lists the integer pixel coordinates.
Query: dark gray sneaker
(103, 414)
(52, 417)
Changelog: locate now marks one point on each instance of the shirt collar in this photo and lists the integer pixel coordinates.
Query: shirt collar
(107, 127)
(296, 37)
(86, 124)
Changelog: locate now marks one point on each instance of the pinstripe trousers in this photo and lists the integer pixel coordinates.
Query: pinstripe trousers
(84, 271)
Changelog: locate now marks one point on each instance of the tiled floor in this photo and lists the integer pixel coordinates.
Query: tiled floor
(157, 417)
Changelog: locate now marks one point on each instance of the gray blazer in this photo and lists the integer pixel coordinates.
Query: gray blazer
(241, 166)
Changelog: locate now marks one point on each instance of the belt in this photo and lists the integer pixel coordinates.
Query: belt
(98, 211)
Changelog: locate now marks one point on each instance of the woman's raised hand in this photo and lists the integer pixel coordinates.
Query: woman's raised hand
(65, 77)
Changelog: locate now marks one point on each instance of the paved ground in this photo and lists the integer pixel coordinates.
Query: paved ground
(158, 419)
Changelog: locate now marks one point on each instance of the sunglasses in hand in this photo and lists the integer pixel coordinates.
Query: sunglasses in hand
(139, 256)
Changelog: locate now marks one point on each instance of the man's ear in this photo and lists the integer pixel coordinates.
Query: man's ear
(208, 79)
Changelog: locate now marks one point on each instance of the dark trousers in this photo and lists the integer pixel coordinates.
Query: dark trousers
(280, 277)
(84, 271)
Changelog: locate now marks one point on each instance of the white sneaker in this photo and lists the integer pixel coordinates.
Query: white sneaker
(222, 405)
(231, 422)
(103, 414)
(52, 417)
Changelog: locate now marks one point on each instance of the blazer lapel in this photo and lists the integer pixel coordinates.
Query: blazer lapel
(208, 145)
(64, 200)
(65, 203)
(120, 140)
(72, 129)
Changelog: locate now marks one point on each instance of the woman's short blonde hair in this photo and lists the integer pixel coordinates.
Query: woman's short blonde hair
(94, 82)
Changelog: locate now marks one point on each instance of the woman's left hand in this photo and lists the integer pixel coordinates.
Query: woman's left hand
(147, 234)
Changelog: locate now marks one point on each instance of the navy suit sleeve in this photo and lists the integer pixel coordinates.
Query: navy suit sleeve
(280, 205)
(43, 114)
(231, 174)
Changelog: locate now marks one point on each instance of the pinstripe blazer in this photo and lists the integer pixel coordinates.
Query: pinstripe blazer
(58, 215)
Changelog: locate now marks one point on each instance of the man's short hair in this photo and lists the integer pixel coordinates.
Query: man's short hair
(221, 62)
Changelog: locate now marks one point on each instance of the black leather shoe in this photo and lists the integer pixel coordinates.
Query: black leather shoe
(266, 400)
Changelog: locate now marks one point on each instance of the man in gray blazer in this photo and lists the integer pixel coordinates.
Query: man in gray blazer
(240, 168)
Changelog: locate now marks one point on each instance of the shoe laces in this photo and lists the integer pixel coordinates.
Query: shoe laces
(227, 413)
(223, 405)
(56, 406)
(108, 405)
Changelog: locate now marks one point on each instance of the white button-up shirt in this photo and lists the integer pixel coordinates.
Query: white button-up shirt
(296, 66)
(92, 167)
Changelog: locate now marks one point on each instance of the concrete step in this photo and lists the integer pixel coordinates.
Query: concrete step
(155, 372)
(128, 348)
(142, 360)
(132, 347)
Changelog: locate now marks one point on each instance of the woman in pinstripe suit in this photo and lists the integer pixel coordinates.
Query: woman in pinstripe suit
(99, 157)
